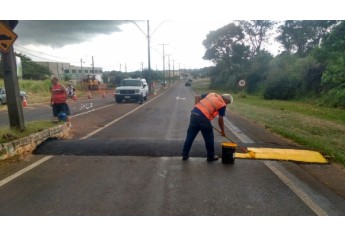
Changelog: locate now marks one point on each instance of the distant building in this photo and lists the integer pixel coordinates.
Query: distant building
(62, 69)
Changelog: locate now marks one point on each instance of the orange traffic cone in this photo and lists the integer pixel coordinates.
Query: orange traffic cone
(89, 95)
(25, 103)
(103, 95)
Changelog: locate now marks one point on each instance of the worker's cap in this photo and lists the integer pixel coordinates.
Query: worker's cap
(227, 98)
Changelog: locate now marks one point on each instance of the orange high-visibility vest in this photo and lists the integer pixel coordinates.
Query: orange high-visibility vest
(210, 105)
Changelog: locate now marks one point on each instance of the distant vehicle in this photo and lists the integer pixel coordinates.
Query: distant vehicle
(188, 83)
(3, 99)
(163, 83)
(132, 89)
(91, 82)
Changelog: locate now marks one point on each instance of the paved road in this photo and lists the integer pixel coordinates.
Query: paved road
(44, 111)
(125, 160)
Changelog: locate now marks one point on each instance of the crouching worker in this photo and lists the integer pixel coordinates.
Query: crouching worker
(58, 100)
(206, 109)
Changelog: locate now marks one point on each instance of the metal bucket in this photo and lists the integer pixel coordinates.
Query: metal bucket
(228, 151)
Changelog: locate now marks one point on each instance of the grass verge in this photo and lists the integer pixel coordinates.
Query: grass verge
(37, 91)
(315, 127)
(7, 134)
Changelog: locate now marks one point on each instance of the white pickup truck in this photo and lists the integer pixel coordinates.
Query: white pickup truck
(132, 89)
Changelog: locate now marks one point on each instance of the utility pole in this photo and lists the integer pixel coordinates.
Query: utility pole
(93, 66)
(173, 71)
(148, 36)
(57, 68)
(14, 106)
(126, 67)
(163, 44)
(81, 67)
(120, 68)
(169, 68)
(142, 68)
(149, 56)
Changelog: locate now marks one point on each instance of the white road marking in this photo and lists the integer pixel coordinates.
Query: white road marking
(314, 201)
(87, 106)
(116, 120)
(87, 112)
(237, 131)
(23, 171)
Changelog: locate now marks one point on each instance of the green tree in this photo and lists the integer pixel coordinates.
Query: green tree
(258, 71)
(224, 44)
(302, 36)
(282, 80)
(257, 32)
(332, 54)
(226, 48)
(32, 70)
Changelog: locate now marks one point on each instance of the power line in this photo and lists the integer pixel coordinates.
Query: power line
(27, 53)
(17, 45)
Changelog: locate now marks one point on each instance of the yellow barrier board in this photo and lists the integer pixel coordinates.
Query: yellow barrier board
(284, 155)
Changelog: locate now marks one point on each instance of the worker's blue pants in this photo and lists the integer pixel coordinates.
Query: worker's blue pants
(199, 123)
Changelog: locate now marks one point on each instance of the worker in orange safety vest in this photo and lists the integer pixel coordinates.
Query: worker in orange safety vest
(207, 107)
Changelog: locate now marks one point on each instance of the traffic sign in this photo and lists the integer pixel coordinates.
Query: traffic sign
(242, 83)
(7, 37)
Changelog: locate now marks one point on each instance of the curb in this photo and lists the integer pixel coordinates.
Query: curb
(28, 144)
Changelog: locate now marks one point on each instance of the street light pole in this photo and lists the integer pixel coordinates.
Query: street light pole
(148, 47)
(173, 71)
(93, 66)
(169, 68)
(163, 44)
(81, 68)
(149, 55)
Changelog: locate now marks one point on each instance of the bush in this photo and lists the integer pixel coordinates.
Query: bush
(280, 89)
(335, 98)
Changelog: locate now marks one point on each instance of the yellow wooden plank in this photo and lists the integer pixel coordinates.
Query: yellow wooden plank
(284, 155)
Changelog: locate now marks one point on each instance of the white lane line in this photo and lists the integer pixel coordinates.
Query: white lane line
(26, 169)
(305, 193)
(237, 131)
(116, 120)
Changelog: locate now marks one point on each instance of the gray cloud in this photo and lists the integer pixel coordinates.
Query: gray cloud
(58, 33)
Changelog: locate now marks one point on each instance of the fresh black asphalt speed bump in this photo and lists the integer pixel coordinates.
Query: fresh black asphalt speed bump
(99, 147)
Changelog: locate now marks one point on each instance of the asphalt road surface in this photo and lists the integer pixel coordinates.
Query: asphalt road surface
(125, 159)
(44, 111)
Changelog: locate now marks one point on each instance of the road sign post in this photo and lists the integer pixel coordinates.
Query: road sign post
(14, 106)
(242, 83)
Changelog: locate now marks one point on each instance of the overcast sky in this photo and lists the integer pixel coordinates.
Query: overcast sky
(119, 42)
(112, 43)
